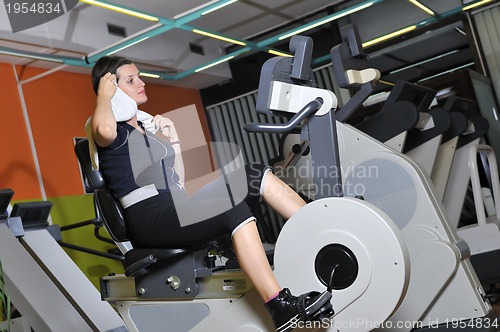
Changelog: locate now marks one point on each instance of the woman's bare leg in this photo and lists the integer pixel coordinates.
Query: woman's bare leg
(253, 261)
(248, 245)
(283, 199)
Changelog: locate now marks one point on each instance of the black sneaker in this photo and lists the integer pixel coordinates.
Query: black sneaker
(286, 309)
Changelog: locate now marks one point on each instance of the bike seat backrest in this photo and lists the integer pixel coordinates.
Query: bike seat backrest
(112, 213)
(108, 208)
(94, 177)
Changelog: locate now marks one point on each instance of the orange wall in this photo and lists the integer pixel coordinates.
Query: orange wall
(17, 168)
(58, 106)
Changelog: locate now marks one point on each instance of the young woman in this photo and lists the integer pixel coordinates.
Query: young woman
(150, 211)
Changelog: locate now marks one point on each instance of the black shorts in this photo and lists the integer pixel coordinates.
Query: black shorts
(154, 222)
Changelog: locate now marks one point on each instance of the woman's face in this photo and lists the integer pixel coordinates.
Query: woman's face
(131, 84)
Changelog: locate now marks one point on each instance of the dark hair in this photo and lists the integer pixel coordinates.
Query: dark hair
(107, 64)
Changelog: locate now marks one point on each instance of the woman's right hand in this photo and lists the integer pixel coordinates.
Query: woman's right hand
(107, 86)
(103, 120)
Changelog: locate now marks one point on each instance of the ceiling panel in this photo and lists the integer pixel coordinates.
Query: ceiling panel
(245, 19)
(168, 8)
(84, 31)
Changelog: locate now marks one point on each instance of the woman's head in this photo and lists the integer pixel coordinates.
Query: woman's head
(107, 64)
(127, 76)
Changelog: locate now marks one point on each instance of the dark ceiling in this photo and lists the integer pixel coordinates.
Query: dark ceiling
(443, 46)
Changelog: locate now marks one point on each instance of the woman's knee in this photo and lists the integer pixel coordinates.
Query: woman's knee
(256, 178)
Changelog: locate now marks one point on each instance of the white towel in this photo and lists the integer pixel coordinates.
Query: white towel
(145, 118)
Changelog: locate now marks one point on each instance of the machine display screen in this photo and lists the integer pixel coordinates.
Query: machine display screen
(33, 214)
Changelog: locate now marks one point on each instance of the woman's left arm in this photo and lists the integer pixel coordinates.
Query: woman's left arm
(167, 129)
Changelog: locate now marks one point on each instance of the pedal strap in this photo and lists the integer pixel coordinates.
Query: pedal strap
(302, 302)
(311, 303)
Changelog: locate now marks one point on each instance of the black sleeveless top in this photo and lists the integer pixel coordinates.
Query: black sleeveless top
(135, 160)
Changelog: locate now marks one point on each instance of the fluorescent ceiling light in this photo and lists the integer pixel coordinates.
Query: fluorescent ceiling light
(475, 5)
(389, 36)
(30, 56)
(326, 20)
(128, 45)
(387, 82)
(447, 72)
(423, 7)
(192, 10)
(218, 7)
(146, 74)
(278, 53)
(214, 63)
(121, 10)
(422, 62)
(211, 35)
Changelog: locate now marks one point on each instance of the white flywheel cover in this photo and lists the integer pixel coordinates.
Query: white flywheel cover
(379, 249)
